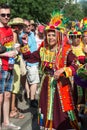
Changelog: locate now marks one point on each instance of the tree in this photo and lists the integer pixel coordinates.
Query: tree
(40, 10)
(74, 11)
(84, 7)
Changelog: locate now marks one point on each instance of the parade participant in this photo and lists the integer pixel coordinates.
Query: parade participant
(84, 40)
(7, 65)
(17, 25)
(32, 68)
(84, 30)
(58, 63)
(77, 49)
(80, 76)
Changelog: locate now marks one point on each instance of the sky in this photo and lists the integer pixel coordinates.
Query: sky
(81, 0)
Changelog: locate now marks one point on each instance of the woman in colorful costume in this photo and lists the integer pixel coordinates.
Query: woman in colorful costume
(58, 63)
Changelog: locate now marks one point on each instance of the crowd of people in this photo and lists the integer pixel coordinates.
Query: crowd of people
(50, 60)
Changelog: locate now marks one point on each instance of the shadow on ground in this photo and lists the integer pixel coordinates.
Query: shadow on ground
(34, 112)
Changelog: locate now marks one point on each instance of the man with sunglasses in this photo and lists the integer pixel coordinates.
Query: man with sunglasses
(6, 74)
(77, 48)
(75, 38)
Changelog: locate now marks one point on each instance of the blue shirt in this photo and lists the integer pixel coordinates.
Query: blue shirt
(32, 44)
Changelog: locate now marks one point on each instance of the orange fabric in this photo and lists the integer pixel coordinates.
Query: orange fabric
(66, 99)
(64, 91)
(49, 123)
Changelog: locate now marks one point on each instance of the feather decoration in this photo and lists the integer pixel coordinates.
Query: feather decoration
(57, 21)
(83, 24)
(56, 18)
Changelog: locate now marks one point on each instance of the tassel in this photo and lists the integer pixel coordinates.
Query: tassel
(74, 124)
(50, 125)
(46, 124)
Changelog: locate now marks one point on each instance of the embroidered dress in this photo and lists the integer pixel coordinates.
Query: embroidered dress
(56, 108)
(49, 102)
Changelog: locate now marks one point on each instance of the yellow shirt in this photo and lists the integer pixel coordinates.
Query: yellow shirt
(78, 50)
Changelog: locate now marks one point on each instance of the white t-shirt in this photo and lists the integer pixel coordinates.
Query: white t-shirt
(38, 41)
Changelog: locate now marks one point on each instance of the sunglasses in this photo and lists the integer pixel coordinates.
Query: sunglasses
(4, 15)
(85, 36)
(73, 36)
(29, 25)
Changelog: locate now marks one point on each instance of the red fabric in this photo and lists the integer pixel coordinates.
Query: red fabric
(42, 45)
(6, 37)
(82, 59)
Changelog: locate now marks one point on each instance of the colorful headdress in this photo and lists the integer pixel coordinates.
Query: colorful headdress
(76, 29)
(75, 32)
(57, 21)
(75, 25)
(83, 24)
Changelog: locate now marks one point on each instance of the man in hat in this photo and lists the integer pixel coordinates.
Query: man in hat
(6, 74)
(77, 47)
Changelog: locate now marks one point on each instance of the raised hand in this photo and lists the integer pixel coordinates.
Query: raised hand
(57, 73)
(25, 39)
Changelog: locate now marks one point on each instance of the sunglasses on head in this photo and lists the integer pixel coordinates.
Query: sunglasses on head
(4, 15)
(74, 36)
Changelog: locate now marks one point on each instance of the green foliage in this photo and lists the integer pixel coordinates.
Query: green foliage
(74, 11)
(84, 7)
(40, 10)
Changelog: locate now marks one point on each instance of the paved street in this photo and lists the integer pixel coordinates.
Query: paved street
(26, 122)
(30, 120)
